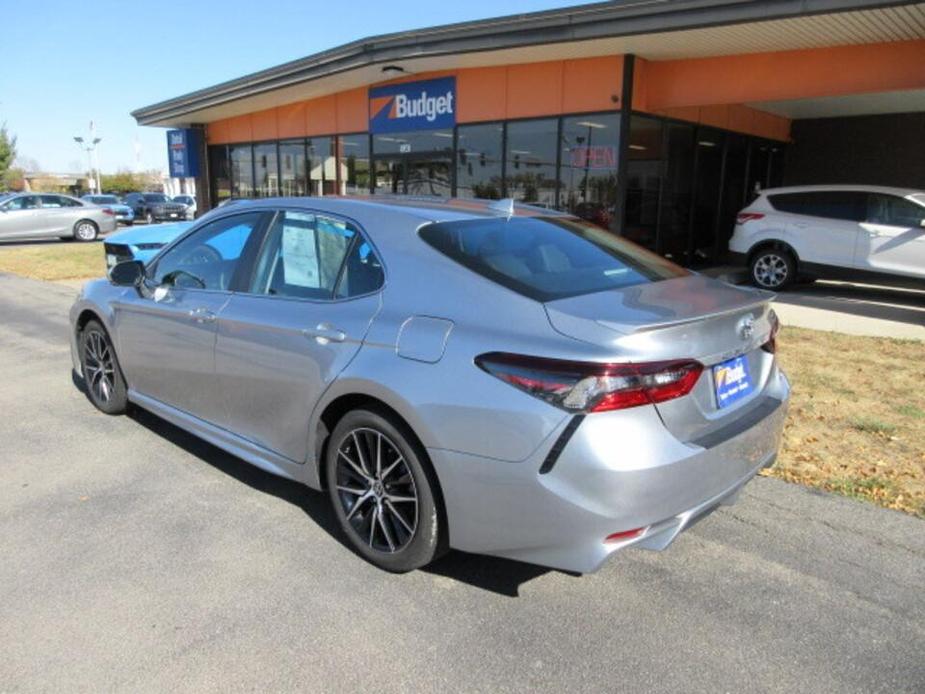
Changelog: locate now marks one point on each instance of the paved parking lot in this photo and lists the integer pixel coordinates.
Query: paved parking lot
(135, 558)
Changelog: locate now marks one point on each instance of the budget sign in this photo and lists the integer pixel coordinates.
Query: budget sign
(183, 153)
(425, 105)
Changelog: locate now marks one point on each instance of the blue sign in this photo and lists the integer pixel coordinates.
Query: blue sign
(732, 381)
(183, 152)
(426, 105)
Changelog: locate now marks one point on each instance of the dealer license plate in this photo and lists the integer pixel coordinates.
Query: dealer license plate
(732, 381)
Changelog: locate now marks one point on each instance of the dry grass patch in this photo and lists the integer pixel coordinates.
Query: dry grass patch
(857, 417)
(55, 261)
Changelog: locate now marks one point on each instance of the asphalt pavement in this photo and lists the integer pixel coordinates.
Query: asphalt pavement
(134, 557)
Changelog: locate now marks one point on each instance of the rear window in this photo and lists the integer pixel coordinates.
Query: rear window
(831, 204)
(548, 258)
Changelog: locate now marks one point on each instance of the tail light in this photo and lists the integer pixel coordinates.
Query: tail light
(592, 387)
(108, 210)
(771, 345)
(743, 217)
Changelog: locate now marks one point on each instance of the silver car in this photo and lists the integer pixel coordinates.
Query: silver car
(464, 374)
(37, 215)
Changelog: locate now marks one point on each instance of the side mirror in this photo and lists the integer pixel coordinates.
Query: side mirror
(128, 273)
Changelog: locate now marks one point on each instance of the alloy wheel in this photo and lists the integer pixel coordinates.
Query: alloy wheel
(85, 231)
(99, 366)
(376, 490)
(770, 270)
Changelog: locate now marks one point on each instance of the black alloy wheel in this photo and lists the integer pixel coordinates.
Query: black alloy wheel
(382, 489)
(102, 375)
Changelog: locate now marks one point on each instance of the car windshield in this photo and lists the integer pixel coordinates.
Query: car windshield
(155, 197)
(548, 258)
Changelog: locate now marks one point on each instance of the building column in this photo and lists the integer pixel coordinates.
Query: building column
(623, 147)
(203, 194)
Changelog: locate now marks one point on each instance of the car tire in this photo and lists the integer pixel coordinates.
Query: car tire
(384, 491)
(772, 268)
(105, 384)
(85, 231)
(149, 217)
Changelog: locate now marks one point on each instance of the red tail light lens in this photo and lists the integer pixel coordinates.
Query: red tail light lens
(108, 210)
(592, 387)
(771, 345)
(743, 217)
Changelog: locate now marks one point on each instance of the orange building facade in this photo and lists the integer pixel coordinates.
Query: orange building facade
(662, 136)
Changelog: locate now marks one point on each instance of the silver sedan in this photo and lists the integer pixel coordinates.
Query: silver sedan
(38, 215)
(456, 374)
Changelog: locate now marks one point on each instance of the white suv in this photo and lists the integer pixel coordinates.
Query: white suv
(846, 232)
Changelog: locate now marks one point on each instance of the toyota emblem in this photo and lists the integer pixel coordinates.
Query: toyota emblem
(746, 327)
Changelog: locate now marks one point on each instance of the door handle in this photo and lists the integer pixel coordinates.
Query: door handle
(202, 315)
(323, 333)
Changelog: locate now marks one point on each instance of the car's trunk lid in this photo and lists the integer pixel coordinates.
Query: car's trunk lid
(690, 317)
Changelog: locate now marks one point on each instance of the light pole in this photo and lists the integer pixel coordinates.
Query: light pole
(90, 149)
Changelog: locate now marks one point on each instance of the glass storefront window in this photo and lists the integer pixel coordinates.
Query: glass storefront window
(675, 203)
(266, 171)
(220, 172)
(242, 171)
(643, 180)
(531, 161)
(353, 164)
(708, 183)
(322, 172)
(588, 166)
(414, 142)
(292, 168)
(478, 161)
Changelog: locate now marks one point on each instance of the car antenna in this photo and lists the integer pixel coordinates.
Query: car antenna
(504, 207)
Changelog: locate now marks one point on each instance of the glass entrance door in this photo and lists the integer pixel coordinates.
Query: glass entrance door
(423, 173)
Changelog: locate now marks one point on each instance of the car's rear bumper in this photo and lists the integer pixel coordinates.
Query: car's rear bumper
(619, 471)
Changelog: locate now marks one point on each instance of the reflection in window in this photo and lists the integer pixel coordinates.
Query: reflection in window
(643, 179)
(321, 167)
(242, 171)
(265, 170)
(675, 203)
(292, 170)
(478, 161)
(207, 259)
(531, 161)
(353, 164)
(589, 166)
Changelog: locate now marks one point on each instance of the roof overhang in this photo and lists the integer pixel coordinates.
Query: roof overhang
(655, 30)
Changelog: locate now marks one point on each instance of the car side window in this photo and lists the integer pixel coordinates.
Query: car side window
(51, 201)
(830, 204)
(362, 271)
(208, 258)
(24, 202)
(894, 211)
(302, 256)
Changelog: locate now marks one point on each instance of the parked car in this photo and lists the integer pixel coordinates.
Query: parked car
(124, 213)
(155, 207)
(516, 382)
(850, 232)
(190, 203)
(141, 243)
(28, 215)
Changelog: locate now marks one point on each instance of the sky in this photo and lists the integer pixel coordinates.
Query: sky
(68, 63)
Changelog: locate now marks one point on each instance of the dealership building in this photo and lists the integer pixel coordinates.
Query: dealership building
(658, 119)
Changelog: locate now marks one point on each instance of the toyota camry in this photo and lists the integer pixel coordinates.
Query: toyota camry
(456, 374)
